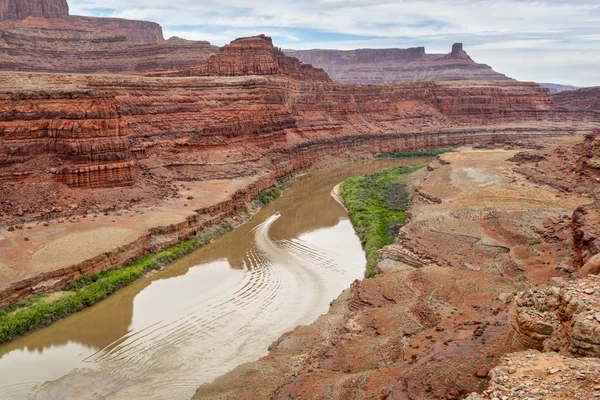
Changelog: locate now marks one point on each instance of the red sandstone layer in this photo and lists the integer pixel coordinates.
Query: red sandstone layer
(397, 65)
(21, 9)
(253, 56)
(54, 14)
(41, 47)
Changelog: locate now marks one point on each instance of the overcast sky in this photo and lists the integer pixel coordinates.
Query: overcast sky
(544, 41)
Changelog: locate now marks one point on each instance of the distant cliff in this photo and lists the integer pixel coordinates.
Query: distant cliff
(556, 88)
(21, 9)
(254, 55)
(397, 65)
(55, 14)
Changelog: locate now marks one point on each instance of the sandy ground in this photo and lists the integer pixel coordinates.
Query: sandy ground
(38, 248)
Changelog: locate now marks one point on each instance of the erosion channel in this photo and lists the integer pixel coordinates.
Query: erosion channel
(207, 313)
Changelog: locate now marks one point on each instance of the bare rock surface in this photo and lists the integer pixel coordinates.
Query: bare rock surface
(533, 375)
(563, 317)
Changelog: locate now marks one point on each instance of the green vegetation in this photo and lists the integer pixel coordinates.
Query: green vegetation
(269, 195)
(377, 205)
(44, 309)
(415, 153)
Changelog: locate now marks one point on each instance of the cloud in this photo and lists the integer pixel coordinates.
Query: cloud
(524, 39)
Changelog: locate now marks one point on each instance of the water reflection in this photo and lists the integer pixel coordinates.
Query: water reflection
(216, 308)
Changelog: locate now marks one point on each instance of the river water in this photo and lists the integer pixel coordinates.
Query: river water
(205, 314)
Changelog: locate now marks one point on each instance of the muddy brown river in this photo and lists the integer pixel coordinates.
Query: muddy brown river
(205, 314)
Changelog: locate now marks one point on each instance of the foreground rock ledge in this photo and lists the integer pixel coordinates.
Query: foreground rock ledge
(535, 375)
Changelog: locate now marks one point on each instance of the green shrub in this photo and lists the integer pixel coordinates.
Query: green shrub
(414, 153)
(38, 311)
(377, 205)
(269, 195)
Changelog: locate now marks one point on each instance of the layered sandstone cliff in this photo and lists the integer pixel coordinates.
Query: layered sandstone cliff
(54, 15)
(584, 101)
(253, 56)
(21, 9)
(397, 65)
(88, 122)
(42, 48)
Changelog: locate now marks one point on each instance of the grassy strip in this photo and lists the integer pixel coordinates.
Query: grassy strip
(44, 309)
(377, 205)
(415, 153)
(269, 195)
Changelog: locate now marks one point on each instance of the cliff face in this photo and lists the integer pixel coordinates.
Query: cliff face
(78, 126)
(397, 65)
(63, 47)
(134, 31)
(253, 56)
(21, 9)
(86, 131)
(586, 99)
(54, 15)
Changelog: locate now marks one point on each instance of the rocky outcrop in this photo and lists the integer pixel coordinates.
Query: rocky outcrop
(557, 88)
(38, 47)
(21, 9)
(581, 99)
(535, 375)
(583, 102)
(76, 123)
(397, 65)
(54, 15)
(563, 317)
(134, 31)
(586, 232)
(253, 56)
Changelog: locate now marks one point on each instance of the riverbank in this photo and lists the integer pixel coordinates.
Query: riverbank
(377, 206)
(40, 310)
(434, 320)
(68, 241)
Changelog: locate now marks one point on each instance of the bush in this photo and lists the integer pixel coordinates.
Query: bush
(39, 311)
(269, 195)
(377, 205)
(415, 153)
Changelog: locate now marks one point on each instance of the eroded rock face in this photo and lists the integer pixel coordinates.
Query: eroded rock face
(36, 46)
(253, 56)
(21, 9)
(397, 65)
(54, 15)
(85, 122)
(586, 235)
(535, 375)
(564, 317)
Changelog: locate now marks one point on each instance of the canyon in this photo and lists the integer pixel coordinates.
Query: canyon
(116, 143)
(369, 66)
(77, 144)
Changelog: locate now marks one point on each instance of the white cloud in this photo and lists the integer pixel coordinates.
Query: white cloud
(523, 38)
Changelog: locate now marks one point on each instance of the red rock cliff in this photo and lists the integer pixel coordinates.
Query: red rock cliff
(89, 131)
(21, 9)
(39, 48)
(253, 56)
(397, 65)
(54, 15)
(134, 31)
